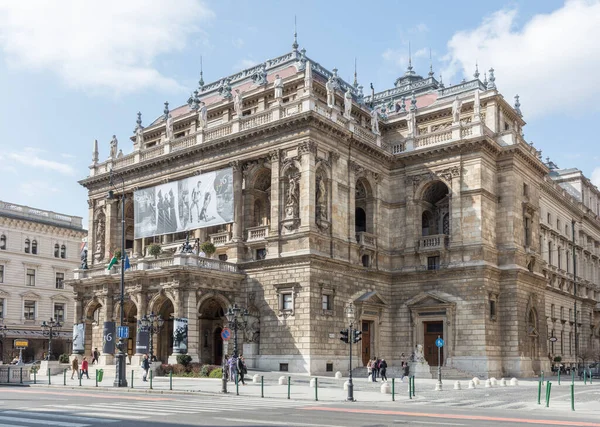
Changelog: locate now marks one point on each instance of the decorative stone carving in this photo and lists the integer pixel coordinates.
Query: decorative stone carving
(169, 128)
(321, 203)
(99, 238)
(225, 89)
(307, 147)
(449, 173)
(260, 76)
(278, 86)
(238, 103)
(114, 147)
(330, 87)
(348, 104)
(375, 121)
(274, 155)
(456, 106)
(202, 115)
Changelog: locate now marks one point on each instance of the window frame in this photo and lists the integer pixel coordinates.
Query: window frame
(2, 305)
(2, 270)
(433, 261)
(34, 247)
(3, 242)
(28, 277)
(61, 284)
(283, 292)
(26, 305)
(27, 246)
(63, 251)
(56, 250)
(64, 311)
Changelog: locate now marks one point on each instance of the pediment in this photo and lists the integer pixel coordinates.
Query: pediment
(371, 298)
(4, 294)
(59, 297)
(30, 295)
(428, 299)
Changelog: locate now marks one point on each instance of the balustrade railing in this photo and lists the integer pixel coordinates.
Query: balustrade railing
(257, 120)
(366, 239)
(434, 242)
(257, 233)
(433, 138)
(220, 239)
(184, 142)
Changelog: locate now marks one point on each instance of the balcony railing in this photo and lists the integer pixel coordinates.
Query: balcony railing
(366, 239)
(257, 233)
(434, 242)
(220, 239)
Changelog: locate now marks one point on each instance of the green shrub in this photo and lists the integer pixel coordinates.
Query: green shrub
(155, 250)
(208, 248)
(63, 358)
(557, 359)
(179, 369)
(184, 359)
(216, 373)
(205, 370)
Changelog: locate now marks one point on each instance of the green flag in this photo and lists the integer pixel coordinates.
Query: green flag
(113, 261)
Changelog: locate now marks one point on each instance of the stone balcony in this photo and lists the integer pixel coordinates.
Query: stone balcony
(220, 239)
(434, 242)
(150, 263)
(366, 240)
(254, 234)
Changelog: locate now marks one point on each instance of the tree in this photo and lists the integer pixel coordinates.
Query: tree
(208, 248)
(155, 250)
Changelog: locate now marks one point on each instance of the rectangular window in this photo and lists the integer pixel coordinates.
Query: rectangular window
(1, 308)
(433, 263)
(59, 312)
(30, 277)
(261, 253)
(29, 310)
(527, 231)
(329, 367)
(287, 301)
(1, 274)
(525, 190)
(60, 279)
(492, 309)
(326, 302)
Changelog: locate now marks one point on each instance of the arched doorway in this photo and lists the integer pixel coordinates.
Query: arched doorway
(130, 320)
(94, 328)
(211, 314)
(163, 342)
(435, 203)
(218, 346)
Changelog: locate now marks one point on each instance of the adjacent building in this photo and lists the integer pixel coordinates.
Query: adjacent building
(38, 251)
(422, 206)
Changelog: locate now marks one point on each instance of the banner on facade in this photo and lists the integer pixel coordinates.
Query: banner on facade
(180, 335)
(196, 202)
(142, 340)
(79, 338)
(108, 340)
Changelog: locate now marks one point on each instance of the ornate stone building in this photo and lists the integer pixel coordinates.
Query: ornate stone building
(422, 204)
(38, 251)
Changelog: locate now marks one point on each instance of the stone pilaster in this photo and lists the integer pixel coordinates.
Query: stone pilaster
(238, 201)
(112, 238)
(191, 312)
(307, 151)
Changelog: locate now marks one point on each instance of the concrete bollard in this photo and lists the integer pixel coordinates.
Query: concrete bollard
(476, 381)
(488, 383)
(338, 375)
(256, 379)
(514, 382)
(457, 385)
(471, 384)
(313, 382)
(493, 382)
(282, 380)
(386, 388)
(346, 385)
(502, 382)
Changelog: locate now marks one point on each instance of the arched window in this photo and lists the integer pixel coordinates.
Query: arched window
(27, 246)
(63, 251)
(34, 247)
(426, 224)
(446, 224)
(360, 220)
(258, 213)
(56, 250)
(3, 242)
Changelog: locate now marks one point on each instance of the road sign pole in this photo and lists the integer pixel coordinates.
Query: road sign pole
(439, 343)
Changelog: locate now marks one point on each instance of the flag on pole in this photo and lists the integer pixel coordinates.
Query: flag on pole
(127, 265)
(113, 261)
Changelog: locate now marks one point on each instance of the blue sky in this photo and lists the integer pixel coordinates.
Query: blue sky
(81, 71)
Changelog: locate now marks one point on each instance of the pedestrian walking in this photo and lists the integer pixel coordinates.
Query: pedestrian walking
(145, 367)
(370, 370)
(375, 369)
(383, 369)
(95, 356)
(84, 368)
(234, 368)
(74, 367)
(404, 370)
(241, 365)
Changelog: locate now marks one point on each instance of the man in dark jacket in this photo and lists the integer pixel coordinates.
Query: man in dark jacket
(383, 369)
(145, 367)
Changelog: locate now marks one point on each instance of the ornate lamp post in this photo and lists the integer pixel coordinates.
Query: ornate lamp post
(351, 314)
(3, 331)
(50, 329)
(152, 323)
(235, 323)
(120, 375)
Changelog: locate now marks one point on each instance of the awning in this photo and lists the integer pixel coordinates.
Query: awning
(24, 333)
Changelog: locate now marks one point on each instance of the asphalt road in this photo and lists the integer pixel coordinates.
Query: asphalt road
(28, 407)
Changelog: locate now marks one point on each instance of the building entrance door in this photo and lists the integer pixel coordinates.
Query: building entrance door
(432, 330)
(367, 328)
(218, 346)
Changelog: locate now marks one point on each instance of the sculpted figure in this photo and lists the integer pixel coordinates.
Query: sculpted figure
(238, 103)
(375, 121)
(202, 115)
(114, 146)
(348, 104)
(278, 85)
(330, 92)
(170, 128)
(419, 356)
(456, 106)
(139, 136)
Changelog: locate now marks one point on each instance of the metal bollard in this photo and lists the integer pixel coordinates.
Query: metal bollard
(572, 397)
(150, 379)
(584, 376)
(170, 380)
(548, 390)
(410, 392)
(558, 376)
(237, 385)
(34, 376)
(413, 385)
(542, 377)
(316, 389)
(21, 376)
(539, 392)
(132, 378)
(289, 385)
(64, 377)
(49, 381)
(96, 377)
(393, 390)
(262, 386)
(590, 375)
(80, 377)
(572, 376)
(8, 375)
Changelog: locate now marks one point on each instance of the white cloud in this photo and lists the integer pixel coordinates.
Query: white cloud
(552, 61)
(399, 57)
(238, 43)
(242, 64)
(29, 159)
(109, 45)
(37, 189)
(596, 177)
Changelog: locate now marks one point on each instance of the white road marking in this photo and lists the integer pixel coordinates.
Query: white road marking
(39, 421)
(278, 423)
(428, 422)
(56, 416)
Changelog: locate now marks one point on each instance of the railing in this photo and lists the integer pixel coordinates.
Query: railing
(258, 120)
(220, 239)
(366, 239)
(13, 374)
(156, 263)
(221, 131)
(464, 132)
(127, 160)
(26, 211)
(365, 134)
(257, 233)
(185, 142)
(433, 138)
(434, 242)
(152, 152)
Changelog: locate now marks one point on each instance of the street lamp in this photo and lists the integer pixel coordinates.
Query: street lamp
(120, 375)
(234, 323)
(152, 323)
(50, 330)
(351, 314)
(3, 331)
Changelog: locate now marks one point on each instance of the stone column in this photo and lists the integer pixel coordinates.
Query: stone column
(351, 234)
(194, 334)
(112, 237)
(108, 310)
(237, 200)
(307, 151)
(137, 248)
(273, 250)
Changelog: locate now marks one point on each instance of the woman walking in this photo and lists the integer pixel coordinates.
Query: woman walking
(84, 368)
(383, 369)
(370, 370)
(74, 367)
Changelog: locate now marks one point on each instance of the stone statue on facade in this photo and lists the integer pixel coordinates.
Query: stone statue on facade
(410, 123)
(120, 154)
(114, 147)
(476, 107)
(238, 103)
(456, 106)
(348, 104)
(330, 86)
(202, 115)
(321, 199)
(419, 356)
(84, 263)
(375, 121)
(139, 136)
(308, 77)
(170, 136)
(291, 203)
(226, 89)
(278, 85)
(99, 250)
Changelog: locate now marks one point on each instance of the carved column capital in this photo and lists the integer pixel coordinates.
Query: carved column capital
(307, 147)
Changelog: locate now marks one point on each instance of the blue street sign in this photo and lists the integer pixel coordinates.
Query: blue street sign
(123, 332)
(226, 334)
(439, 342)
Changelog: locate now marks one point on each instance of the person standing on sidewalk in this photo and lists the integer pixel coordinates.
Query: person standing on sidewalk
(383, 369)
(84, 368)
(241, 366)
(375, 369)
(370, 370)
(74, 367)
(405, 371)
(95, 356)
(145, 367)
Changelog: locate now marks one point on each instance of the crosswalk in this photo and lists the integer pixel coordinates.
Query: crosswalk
(88, 414)
(483, 404)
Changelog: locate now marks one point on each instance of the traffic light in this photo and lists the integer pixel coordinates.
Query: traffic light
(357, 336)
(344, 335)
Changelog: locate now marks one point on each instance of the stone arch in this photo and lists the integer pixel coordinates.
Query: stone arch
(364, 208)
(158, 300)
(434, 202)
(260, 197)
(211, 320)
(94, 323)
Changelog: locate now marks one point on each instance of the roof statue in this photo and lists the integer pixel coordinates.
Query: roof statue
(114, 146)
(403, 105)
(348, 104)
(330, 87)
(166, 110)
(375, 121)
(169, 128)
(139, 131)
(518, 106)
(413, 102)
(238, 103)
(456, 107)
(95, 152)
(260, 76)
(278, 86)
(360, 98)
(492, 83)
(225, 89)
(308, 75)
(202, 115)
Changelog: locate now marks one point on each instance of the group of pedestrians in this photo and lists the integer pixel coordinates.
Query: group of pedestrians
(81, 371)
(378, 368)
(235, 368)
